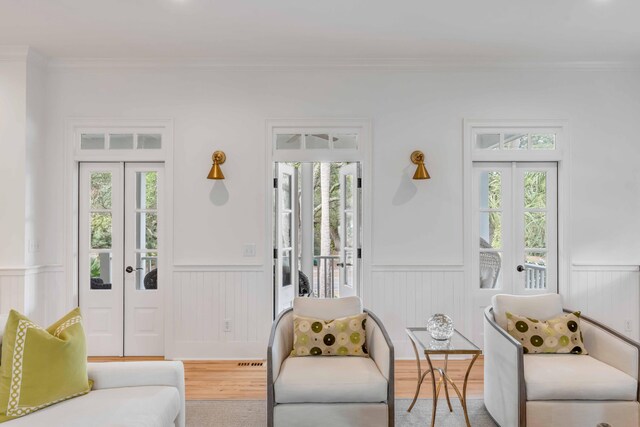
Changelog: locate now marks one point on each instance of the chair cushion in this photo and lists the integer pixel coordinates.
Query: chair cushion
(330, 380)
(571, 377)
(147, 406)
(327, 308)
(540, 307)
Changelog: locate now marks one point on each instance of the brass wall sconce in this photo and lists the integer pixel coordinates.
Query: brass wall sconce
(417, 158)
(218, 158)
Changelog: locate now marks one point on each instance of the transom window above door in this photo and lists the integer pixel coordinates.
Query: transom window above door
(347, 140)
(515, 140)
(312, 140)
(120, 141)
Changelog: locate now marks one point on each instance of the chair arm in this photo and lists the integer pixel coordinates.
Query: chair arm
(133, 374)
(280, 346)
(382, 352)
(610, 347)
(380, 346)
(504, 386)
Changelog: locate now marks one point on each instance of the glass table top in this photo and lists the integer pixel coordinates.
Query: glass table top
(457, 344)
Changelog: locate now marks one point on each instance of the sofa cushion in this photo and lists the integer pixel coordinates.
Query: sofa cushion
(543, 307)
(146, 406)
(327, 308)
(569, 377)
(41, 366)
(339, 337)
(330, 380)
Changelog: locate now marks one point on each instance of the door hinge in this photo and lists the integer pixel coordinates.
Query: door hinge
(275, 183)
(359, 253)
(275, 253)
(359, 182)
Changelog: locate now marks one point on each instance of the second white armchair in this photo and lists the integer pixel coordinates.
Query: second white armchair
(329, 390)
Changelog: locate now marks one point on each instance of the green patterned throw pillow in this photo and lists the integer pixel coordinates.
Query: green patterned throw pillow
(339, 337)
(559, 335)
(41, 367)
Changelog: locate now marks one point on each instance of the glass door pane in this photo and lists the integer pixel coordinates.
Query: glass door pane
(146, 230)
(537, 230)
(490, 210)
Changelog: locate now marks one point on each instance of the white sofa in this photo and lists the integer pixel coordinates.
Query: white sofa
(137, 394)
(131, 394)
(329, 390)
(536, 390)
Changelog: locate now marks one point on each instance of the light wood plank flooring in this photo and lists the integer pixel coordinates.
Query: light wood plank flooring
(246, 379)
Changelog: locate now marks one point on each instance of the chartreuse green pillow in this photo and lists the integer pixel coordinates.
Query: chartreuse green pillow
(561, 334)
(41, 367)
(339, 337)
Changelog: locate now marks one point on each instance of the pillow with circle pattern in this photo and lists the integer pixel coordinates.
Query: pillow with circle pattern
(339, 337)
(558, 335)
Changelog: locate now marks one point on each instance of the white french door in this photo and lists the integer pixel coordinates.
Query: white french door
(515, 230)
(120, 294)
(349, 229)
(286, 228)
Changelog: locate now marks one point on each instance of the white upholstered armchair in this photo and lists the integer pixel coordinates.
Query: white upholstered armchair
(329, 390)
(558, 389)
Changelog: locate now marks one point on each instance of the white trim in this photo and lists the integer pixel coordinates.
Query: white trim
(13, 53)
(72, 159)
(363, 155)
(605, 267)
(181, 268)
(348, 63)
(393, 268)
(28, 270)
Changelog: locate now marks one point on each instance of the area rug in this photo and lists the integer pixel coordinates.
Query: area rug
(252, 413)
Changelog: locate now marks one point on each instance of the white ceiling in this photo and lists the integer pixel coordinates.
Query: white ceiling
(531, 30)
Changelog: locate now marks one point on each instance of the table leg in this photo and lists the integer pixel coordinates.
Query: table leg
(435, 395)
(421, 376)
(464, 389)
(446, 390)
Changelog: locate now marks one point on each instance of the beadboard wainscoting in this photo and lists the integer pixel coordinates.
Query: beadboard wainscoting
(220, 312)
(34, 291)
(609, 294)
(408, 296)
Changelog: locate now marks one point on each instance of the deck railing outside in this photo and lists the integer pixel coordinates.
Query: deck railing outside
(536, 276)
(326, 277)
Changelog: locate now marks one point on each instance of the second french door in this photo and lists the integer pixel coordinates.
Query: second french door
(119, 249)
(515, 230)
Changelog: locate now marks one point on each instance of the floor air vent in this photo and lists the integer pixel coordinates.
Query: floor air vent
(255, 364)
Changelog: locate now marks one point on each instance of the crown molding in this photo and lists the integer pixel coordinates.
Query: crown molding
(22, 54)
(340, 63)
(13, 53)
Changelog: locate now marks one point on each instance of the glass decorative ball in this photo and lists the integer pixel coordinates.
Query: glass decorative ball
(440, 326)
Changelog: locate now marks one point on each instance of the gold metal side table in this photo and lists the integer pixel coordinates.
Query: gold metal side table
(458, 344)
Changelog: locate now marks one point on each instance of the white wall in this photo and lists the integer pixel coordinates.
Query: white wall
(24, 280)
(13, 82)
(414, 223)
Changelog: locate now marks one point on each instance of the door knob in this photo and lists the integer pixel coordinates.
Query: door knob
(340, 264)
(520, 268)
(130, 269)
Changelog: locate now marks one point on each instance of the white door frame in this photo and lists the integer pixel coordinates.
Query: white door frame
(361, 155)
(561, 155)
(73, 155)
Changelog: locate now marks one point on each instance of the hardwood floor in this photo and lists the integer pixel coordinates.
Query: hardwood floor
(246, 379)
